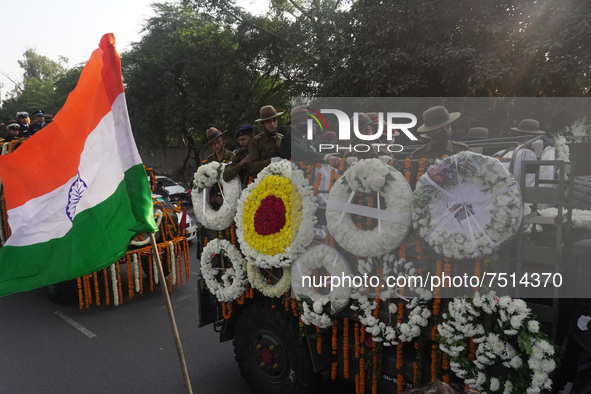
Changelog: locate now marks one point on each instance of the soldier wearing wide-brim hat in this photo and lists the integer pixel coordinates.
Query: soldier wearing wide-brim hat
(437, 127)
(265, 146)
(529, 126)
(375, 121)
(218, 146)
(476, 133)
(268, 112)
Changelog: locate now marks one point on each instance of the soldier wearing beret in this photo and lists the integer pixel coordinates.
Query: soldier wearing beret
(238, 166)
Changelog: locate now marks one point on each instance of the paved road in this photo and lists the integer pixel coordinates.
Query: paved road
(48, 348)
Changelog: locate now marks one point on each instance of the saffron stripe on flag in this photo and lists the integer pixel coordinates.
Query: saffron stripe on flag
(85, 107)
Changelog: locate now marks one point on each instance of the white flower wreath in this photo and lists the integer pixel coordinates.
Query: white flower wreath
(259, 282)
(419, 311)
(233, 279)
(515, 342)
(467, 206)
(205, 178)
(369, 176)
(300, 218)
(322, 256)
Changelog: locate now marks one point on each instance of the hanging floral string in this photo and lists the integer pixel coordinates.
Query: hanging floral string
(106, 287)
(80, 297)
(346, 348)
(434, 354)
(362, 359)
(96, 288)
(399, 347)
(318, 340)
(227, 310)
(374, 376)
(407, 169)
(374, 360)
(317, 183)
(333, 372)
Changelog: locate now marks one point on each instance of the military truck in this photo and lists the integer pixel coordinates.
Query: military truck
(278, 351)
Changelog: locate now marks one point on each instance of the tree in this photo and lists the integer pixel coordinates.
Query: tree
(37, 89)
(187, 74)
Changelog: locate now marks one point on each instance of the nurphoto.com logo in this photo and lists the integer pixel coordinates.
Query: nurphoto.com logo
(351, 139)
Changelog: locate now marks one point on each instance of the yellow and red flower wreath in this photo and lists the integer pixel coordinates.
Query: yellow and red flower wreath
(276, 216)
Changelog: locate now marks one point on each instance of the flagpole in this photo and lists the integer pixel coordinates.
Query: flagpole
(177, 339)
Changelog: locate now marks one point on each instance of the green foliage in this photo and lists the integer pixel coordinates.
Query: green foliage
(211, 63)
(188, 73)
(39, 88)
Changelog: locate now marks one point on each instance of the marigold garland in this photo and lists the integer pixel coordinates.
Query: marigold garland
(96, 288)
(346, 348)
(437, 291)
(80, 297)
(402, 250)
(356, 338)
(318, 340)
(129, 276)
(407, 169)
(362, 359)
(374, 374)
(445, 367)
(227, 310)
(106, 287)
(433, 363)
(317, 183)
(333, 372)
(415, 365)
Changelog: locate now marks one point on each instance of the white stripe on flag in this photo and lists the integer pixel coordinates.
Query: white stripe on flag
(105, 157)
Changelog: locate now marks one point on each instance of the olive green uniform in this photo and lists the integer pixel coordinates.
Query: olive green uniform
(430, 151)
(234, 169)
(226, 158)
(262, 148)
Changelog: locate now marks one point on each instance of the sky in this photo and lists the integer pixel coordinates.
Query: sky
(69, 28)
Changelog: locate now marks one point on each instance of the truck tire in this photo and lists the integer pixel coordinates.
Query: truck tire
(61, 293)
(582, 192)
(270, 352)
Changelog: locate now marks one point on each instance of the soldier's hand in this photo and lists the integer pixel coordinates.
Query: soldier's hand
(245, 161)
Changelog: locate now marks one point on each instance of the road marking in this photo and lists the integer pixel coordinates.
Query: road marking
(76, 325)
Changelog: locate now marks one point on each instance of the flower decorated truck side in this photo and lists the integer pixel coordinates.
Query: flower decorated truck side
(133, 274)
(321, 285)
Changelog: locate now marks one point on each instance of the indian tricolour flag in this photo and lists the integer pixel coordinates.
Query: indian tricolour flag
(75, 192)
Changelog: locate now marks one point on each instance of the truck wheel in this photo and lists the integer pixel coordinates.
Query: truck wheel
(271, 355)
(582, 192)
(61, 293)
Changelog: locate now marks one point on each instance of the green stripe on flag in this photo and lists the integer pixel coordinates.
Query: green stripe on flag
(99, 236)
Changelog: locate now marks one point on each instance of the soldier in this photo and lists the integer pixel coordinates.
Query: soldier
(239, 164)
(437, 127)
(265, 146)
(220, 154)
(218, 146)
(294, 144)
